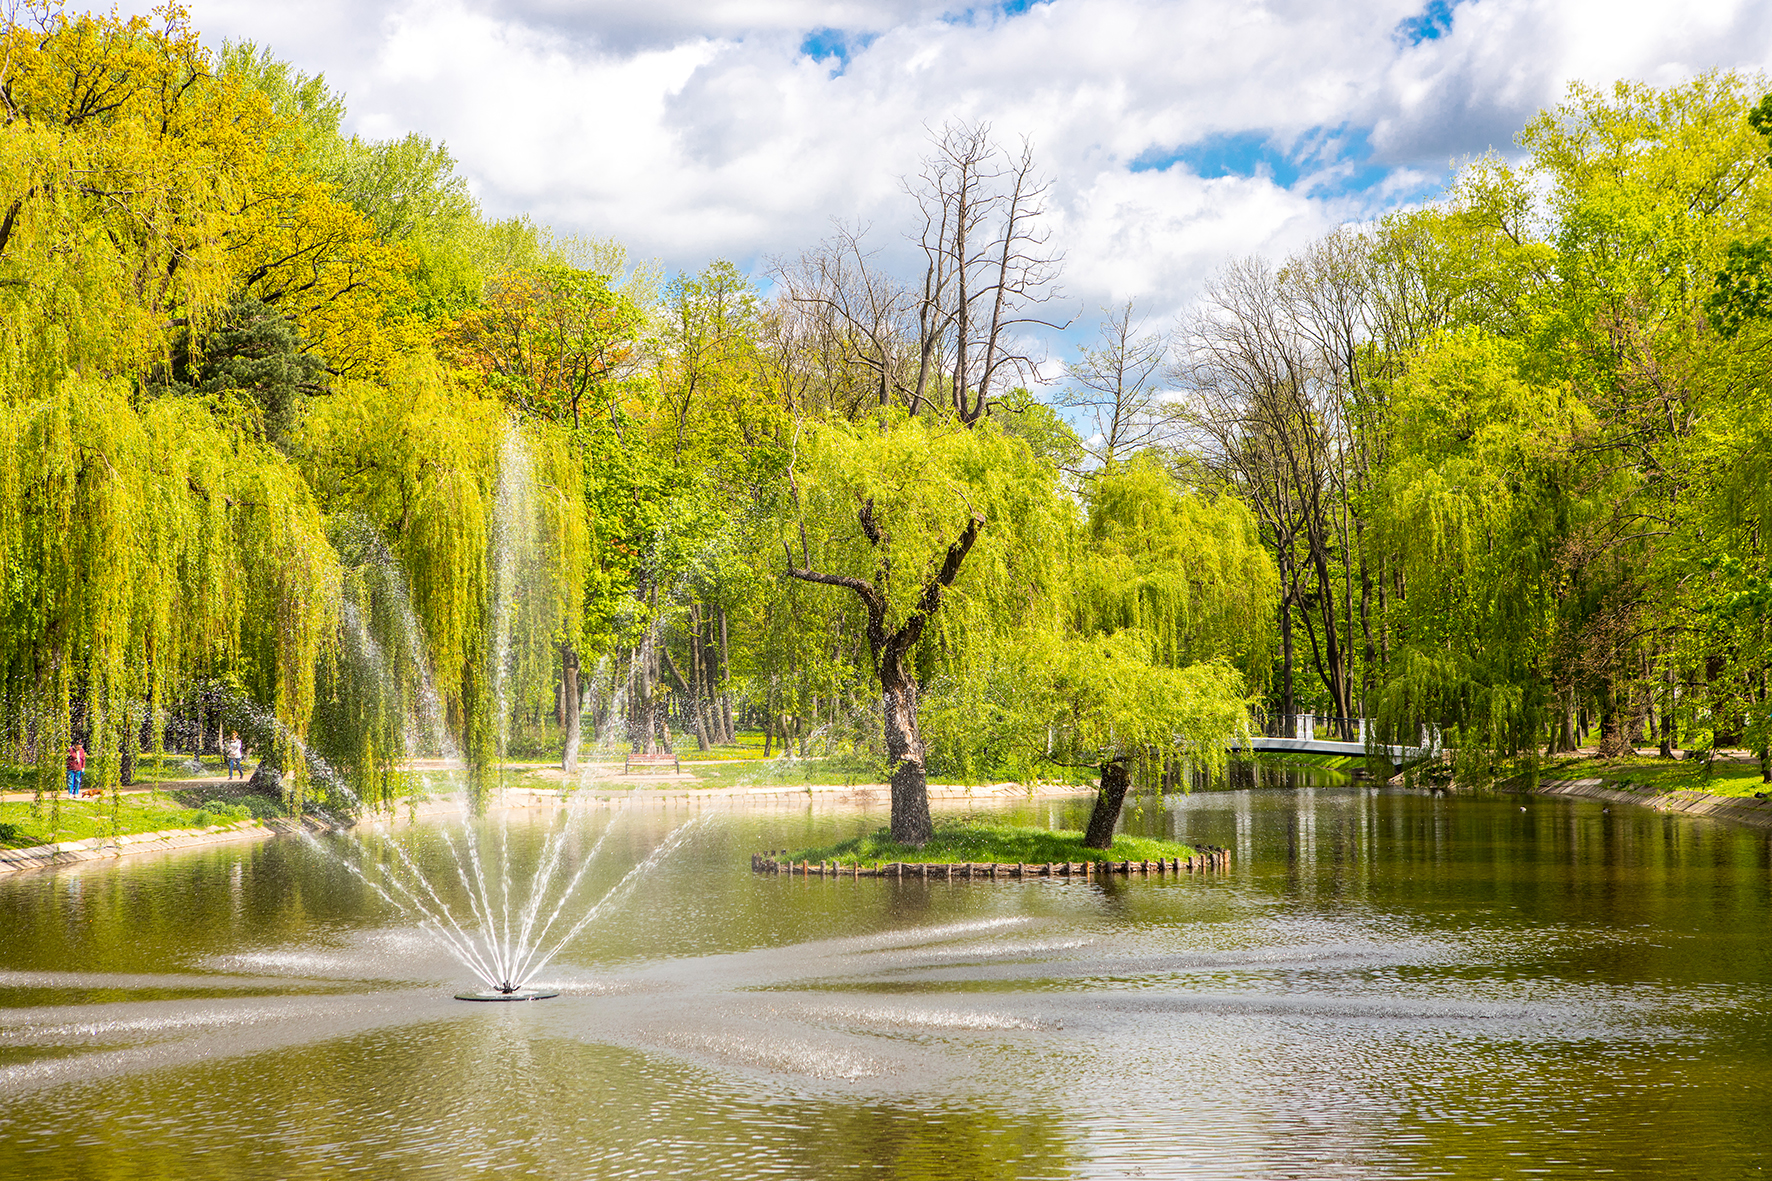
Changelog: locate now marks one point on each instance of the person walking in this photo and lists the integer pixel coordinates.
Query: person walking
(235, 750)
(76, 768)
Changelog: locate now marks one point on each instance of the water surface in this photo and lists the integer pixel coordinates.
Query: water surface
(1384, 985)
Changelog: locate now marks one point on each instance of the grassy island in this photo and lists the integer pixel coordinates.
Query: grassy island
(971, 839)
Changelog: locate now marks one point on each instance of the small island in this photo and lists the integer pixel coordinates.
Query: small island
(990, 848)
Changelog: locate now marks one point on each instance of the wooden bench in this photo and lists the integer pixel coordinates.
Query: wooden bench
(657, 760)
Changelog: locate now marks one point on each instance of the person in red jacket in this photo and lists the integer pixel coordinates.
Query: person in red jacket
(76, 767)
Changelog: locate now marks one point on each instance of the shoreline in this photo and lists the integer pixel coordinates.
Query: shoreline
(1756, 813)
(113, 848)
(1746, 810)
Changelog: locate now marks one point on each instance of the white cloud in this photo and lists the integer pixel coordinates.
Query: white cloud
(692, 130)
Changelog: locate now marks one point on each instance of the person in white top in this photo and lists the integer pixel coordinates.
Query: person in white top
(235, 750)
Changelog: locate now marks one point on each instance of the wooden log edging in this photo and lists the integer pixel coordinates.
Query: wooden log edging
(1208, 857)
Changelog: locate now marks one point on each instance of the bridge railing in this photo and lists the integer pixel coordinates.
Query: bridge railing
(1315, 727)
(1328, 728)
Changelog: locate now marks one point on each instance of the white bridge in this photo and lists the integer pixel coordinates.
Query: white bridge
(1320, 734)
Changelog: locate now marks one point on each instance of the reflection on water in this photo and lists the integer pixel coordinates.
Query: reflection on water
(1384, 985)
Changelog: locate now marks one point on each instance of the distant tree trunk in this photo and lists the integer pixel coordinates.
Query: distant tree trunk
(690, 695)
(731, 732)
(1288, 705)
(1110, 796)
(643, 730)
(1669, 707)
(1612, 723)
(569, 705)
(1569, 739)
(1726, 719)
(131, 746)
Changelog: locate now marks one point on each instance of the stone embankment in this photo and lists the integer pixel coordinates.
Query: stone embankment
(1739, 809)
(1208, 857)
(65, 853)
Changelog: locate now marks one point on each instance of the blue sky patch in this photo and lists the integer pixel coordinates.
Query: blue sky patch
(1429, 24)
(1246, 153)
(1332, 160)
(824, 44)
(972, 12)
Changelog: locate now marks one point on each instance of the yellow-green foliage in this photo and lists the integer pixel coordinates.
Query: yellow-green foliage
(926, 479)
(1093, 698)
(423, 463)
(1189, 571)
(143, 545)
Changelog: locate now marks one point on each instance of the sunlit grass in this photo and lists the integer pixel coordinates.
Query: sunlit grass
(63, 819)
(979, 839)
(1733, 777)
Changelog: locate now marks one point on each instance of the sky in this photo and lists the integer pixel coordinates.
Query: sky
(1178, 135)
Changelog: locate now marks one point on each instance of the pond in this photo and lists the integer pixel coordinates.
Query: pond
(1384, 985)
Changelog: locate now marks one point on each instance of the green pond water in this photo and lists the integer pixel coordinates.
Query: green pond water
(1384, 985)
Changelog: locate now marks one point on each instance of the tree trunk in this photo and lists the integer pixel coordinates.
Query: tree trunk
(905, 756)
(705, 735)
(1669, 706)
(898, 685)
(1109, 798)
(131, 747)
(731, 733)
(768, 722)
(1287, 706)
(569, 705)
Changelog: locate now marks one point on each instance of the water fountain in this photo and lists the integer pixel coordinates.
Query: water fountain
(504, 927)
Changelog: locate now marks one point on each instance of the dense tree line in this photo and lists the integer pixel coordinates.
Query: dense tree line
(299, 439)
(1509, 450)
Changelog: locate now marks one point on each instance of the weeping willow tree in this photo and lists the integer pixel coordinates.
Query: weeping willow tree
(152, 534)
(466, 548)
(1103, 702)
(145, 548)
(1188, 571)
(1477, 512)
(925, 522)
(1168, 608)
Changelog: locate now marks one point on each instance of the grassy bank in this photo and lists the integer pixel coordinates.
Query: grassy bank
(63, 819)
(1729, 775)
(971, 838)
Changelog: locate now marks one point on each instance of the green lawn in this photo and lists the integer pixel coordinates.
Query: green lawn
(972, 838)
(1651, 776)
(63, 819)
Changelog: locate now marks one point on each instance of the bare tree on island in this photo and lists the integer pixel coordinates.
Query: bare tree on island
(950, 345)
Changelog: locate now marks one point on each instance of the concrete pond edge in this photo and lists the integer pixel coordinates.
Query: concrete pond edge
(1685, 802)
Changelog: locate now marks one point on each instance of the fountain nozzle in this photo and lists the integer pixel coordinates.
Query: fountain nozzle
(507, 992)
